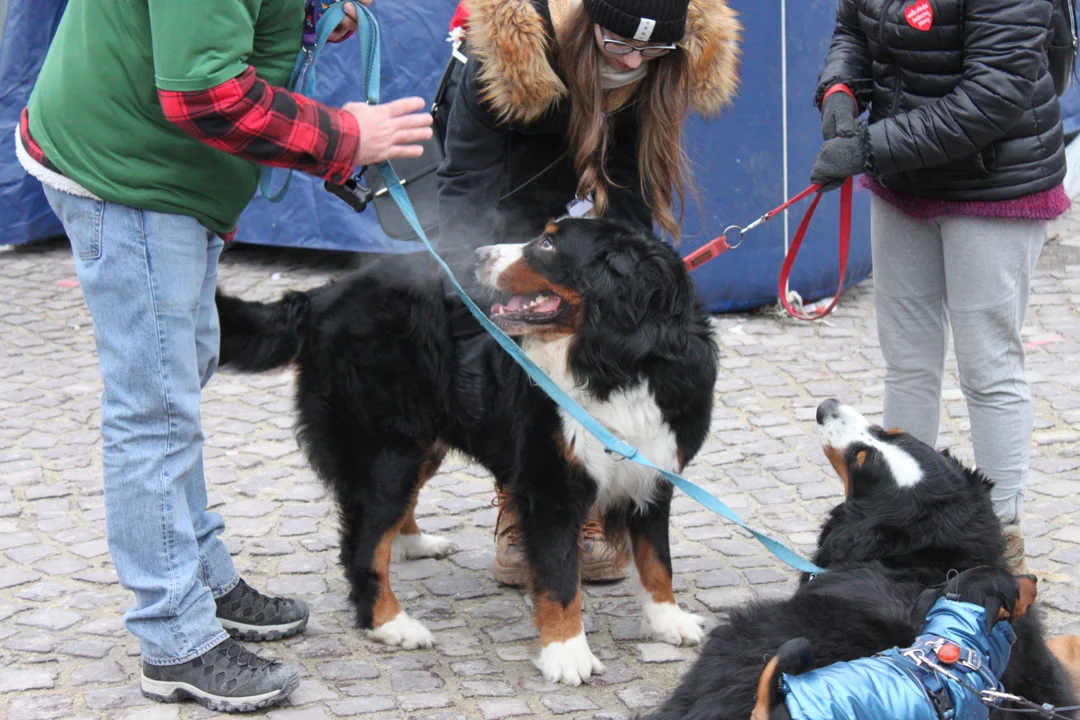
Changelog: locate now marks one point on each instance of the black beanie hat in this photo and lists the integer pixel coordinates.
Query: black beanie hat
(652, 21)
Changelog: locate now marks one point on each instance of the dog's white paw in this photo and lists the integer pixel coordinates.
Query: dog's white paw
(403, 631)
(669, 623)
(570, 662)
(422, 545)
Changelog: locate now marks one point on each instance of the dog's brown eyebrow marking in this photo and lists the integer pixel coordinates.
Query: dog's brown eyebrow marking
(860, 459)
(895, 431)
(552, 228)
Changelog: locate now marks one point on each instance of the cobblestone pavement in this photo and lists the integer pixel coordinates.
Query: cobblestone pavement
(63, 649)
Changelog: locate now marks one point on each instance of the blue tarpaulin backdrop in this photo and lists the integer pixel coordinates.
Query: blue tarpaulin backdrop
(739, 159)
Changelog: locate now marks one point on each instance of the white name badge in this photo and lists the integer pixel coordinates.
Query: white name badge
(579, 207)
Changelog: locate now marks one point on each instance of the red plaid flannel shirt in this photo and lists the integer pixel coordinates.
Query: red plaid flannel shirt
(247, 117)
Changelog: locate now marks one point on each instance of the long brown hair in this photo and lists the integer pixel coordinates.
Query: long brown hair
(662, 101)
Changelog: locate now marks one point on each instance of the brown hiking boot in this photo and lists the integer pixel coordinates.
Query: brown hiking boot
(1014, 549)
(601, 559)
(511, 567)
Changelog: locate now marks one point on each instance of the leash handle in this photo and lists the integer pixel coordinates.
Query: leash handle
(796, 243)
(302, 79)
(720, 245)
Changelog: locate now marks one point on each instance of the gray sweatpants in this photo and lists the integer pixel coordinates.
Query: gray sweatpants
(973, 274)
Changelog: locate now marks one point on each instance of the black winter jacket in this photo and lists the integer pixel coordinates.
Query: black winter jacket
(507, 170)
(964, 110)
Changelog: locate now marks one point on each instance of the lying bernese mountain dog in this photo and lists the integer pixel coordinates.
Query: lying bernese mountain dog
(962, 650)
(609, 313)
(911, 516)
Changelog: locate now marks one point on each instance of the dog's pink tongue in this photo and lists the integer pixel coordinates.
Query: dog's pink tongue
(515, 303)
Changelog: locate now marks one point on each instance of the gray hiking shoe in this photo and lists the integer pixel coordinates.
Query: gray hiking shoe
(249, 615)
(225, 678)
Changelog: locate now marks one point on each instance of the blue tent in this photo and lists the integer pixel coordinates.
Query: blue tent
(746, 163)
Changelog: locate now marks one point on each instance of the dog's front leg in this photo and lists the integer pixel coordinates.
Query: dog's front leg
(662, 616)
(551, 534)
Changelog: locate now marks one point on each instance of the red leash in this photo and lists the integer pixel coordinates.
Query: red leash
(715, 248)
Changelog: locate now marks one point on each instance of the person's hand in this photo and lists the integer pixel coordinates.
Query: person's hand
(839, 116)
(391, 130)
(840, 158)
(346, 27)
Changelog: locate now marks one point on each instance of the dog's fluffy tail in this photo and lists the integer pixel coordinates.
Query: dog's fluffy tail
(259, 336)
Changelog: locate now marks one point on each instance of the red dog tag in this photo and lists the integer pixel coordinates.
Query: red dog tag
(920, 15)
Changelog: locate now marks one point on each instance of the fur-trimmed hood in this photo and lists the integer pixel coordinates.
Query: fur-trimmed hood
(511, 39)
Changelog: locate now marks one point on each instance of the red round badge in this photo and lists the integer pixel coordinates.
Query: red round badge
(948, 654)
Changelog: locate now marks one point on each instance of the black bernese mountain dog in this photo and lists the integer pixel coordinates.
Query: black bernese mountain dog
(788, 689)
(911, 516)
(384, 390)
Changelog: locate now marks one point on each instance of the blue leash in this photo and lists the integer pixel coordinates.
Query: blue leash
(369, 43)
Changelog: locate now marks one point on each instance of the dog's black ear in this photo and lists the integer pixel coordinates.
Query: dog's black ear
(993, 607)
(922, 607)
(795, 656)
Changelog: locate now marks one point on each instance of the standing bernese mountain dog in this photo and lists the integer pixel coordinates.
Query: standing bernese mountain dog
(911, 516)
(609, 313)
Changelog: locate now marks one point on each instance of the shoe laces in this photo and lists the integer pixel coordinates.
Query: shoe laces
(510, 532)
(241, 656)
(260, 602)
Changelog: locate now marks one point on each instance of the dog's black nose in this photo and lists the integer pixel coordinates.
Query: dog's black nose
(482, 254)
(827, 410)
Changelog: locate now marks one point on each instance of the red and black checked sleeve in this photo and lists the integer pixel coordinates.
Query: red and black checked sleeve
(247, 117)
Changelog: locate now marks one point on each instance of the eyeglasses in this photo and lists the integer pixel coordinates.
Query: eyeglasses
(618, 47)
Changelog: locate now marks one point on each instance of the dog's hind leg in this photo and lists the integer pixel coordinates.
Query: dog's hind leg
(370, 521)
(1066, 648)
(662, 616)
(1034, 671)
(412, 543)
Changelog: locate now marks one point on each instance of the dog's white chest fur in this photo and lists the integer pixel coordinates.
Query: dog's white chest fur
(631, 415)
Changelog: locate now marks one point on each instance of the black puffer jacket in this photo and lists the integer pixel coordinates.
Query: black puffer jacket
(964, 110)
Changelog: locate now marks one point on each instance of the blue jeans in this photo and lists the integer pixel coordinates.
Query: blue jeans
(149, 279)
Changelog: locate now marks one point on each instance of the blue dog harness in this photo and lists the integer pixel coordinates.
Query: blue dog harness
(944, 675)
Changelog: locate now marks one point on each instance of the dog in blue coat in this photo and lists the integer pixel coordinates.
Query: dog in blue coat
(963, 649)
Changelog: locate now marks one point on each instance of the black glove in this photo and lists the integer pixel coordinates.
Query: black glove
(839, 116)
(840, 158)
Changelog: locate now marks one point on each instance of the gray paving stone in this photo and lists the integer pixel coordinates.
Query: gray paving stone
(485, 688)
(563, 704)
(424, 701)
(348, 670)
(31, 642)
(360, 706)
(499, 709)
(40, 707)
(107, 671)
(641, 696)
(32, 678)
(415, 681)
(51, 619)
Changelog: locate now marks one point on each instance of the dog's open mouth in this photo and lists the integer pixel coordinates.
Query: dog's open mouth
(532, 308)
